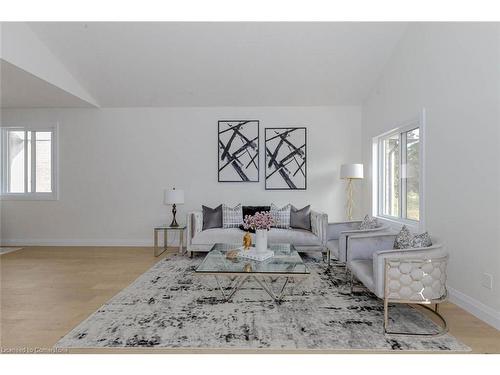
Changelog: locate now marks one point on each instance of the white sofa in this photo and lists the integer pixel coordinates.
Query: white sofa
(199, 240)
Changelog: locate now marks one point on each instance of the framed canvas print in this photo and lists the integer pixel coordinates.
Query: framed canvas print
(286, 158)
(238, 151)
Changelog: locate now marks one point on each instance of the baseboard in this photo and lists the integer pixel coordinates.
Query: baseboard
(76, 242)
(476, 308)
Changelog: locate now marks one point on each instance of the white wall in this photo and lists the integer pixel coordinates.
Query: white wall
(115, 163)
(453, 71)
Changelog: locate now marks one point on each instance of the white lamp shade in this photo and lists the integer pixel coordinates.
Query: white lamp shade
(351, 171)
(174, 196)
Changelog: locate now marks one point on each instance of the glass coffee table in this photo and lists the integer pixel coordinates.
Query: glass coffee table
(286, 263)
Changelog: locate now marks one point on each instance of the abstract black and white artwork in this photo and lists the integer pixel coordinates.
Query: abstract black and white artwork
(286, 158)
(238, 156)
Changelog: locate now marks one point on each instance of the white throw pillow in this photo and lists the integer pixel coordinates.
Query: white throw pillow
(281, 216)
(232, 217)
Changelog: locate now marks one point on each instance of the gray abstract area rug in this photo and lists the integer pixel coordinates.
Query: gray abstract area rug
(171, 307)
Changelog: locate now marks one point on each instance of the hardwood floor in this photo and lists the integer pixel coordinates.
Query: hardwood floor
(47, 291)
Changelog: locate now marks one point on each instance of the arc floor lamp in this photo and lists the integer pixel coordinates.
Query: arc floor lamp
(350, 172)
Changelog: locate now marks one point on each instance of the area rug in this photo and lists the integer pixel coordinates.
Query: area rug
(171, 307)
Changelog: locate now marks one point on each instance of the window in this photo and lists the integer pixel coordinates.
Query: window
(28, 163)
(398, 184)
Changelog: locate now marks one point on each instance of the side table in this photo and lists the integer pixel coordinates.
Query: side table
(165, 229)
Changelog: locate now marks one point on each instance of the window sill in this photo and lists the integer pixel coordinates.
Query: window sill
(29, 197)
(397, 224)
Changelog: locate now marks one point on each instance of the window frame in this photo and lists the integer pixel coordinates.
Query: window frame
(378, 168)
(32, 195)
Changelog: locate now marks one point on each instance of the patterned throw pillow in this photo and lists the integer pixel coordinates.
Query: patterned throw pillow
(232, 217)
(368, 223)
(281, 216)
(421, 240)
(406, 240)
(403, 239)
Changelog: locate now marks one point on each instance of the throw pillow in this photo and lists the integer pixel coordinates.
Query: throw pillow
(232, 217)
(300, 219)
(281, 216)
(212, 217)
(368, 223)
(421, 240)
(252, 210)
(403, 239)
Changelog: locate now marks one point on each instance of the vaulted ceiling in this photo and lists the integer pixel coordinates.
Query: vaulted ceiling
(215, 64)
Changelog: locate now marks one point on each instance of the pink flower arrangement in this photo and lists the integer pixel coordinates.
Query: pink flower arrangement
(260, 220)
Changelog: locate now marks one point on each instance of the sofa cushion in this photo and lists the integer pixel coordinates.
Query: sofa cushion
(212, 217)
(333, 246)
(363, 270)
(224, 235)
(293, 236)
(300, 219)
(275, 235)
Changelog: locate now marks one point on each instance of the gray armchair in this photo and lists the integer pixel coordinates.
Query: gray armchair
(412, 276)
(339, 233)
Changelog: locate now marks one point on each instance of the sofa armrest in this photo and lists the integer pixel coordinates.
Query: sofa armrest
(420, 264)
(345, 235)
(335, 229)
(319, 225)
(363, 246)
(194, 224)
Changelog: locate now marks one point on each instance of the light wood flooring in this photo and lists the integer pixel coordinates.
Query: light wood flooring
(47, 291)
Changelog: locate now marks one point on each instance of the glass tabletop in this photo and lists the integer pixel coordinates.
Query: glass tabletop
(286, 260)
(165, 226)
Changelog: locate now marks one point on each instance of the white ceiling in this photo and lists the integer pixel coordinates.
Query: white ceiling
(223, 64)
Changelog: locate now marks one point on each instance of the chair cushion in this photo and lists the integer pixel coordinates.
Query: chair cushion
(363, 270)
(333, 246)
(275, 235)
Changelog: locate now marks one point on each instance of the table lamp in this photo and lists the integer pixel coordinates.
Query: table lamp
(174, 197)
(350, 172)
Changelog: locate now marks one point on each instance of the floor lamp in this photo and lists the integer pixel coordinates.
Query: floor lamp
(350, 172)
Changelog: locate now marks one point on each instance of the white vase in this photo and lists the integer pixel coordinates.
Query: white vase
(261, 240)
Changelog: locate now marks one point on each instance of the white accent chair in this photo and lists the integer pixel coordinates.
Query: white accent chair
(411, 276)
(339, 233)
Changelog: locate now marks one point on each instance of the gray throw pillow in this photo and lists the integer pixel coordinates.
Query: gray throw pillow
(212, 217)
(300, 219)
